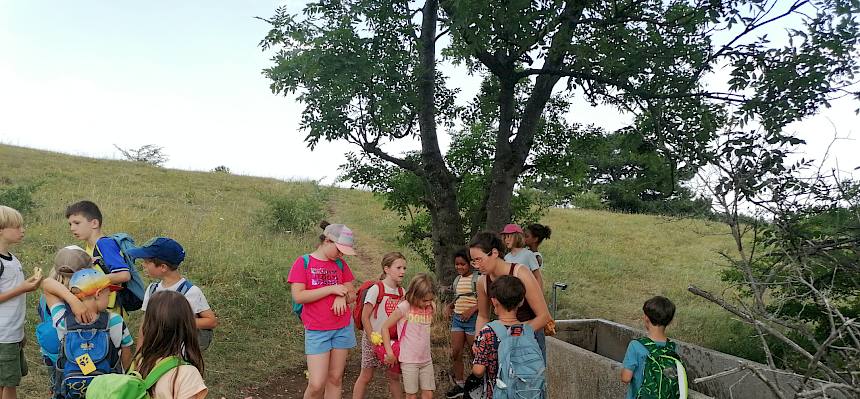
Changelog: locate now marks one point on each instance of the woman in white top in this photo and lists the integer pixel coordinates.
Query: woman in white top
(514, 240)
(169, 329)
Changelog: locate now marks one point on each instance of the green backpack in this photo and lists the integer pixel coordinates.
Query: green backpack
(131, 385)
(665, 376)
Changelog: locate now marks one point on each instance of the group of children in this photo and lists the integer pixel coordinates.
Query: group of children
(498, 273)
(83, 335)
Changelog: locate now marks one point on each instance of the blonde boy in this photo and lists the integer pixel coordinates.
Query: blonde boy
(13, 289)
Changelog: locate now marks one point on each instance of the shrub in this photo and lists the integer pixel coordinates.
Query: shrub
(588, 200)
(293, 213)
(19, 197)
(150, 154)
(221, 169)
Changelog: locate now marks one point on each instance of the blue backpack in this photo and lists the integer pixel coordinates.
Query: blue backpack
(85, 346)
(306, 259)
(46, 333)
(131, 296)
(521, 364)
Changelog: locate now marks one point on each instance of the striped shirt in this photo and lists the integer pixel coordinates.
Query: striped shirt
(464, 302)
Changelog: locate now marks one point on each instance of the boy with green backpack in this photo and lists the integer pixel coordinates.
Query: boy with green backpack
(652, 367)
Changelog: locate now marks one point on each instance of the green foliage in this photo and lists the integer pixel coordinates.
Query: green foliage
(588, 200)
(293, 212)
(20, 197)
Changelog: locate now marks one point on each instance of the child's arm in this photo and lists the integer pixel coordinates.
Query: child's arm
(125, 357)
(482, 349)
(206, 320)
(629, 363)
(468, 313)
(302, 295)
(55, 292)
(366, 309)
(119, 277)
(386, 336)
(28, 285)
(483, 304)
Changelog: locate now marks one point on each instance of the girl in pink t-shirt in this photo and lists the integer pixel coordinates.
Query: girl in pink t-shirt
(323, 285)
(413, 318)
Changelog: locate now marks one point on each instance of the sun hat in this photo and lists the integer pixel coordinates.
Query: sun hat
(89, 282)
(162, 248)
(341, 236)
(70, 259)
(512, 228)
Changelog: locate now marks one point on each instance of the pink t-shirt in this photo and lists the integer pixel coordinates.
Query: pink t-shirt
(415, 342)
(321, 273)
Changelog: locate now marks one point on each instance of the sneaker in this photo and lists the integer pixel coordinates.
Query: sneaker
(456, 392)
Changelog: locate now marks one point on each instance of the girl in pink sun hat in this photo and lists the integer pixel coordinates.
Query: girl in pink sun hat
(321, 283)
(515, 243)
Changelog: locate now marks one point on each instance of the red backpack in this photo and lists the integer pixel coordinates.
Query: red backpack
(362, 293)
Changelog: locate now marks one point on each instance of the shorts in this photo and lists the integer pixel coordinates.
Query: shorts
(368, 356)
(322, 341)
(418, 376)
(467, 326)
(13, 365)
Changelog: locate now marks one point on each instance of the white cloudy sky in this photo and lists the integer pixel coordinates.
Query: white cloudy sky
(81, 76)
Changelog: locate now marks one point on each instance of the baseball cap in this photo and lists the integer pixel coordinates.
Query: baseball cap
(70, 259)
(162, 248)
(89, 282)
(341, 236)
(512, 228)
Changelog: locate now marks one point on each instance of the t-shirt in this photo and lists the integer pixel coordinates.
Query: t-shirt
(415, 341)
(524, 256)
(385, 308)
(539, 258)
(182, 382)
(486, 350)
(117, 329)
(111, 261)
(318, 315)
(467, 301)
(13, 311)
(194, 295)
(634, 360)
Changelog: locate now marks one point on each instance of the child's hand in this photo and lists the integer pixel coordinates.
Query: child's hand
(449, 310)
(390, 359)
(338, 289)
(339, 306)
(82, 313)
(32, 283)
(467, 314)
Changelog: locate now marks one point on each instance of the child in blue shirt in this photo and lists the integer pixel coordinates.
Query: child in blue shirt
(658, 313)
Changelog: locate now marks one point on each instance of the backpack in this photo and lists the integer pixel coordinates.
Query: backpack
(131, 296)
(46, 333)
(664, 377)
(362, 293)
(204, 336)
(131, 385)
(86, 352)
(306, 259)
(474, 293)
(521, 364)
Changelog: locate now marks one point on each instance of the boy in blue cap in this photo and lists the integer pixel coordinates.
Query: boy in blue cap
(161, 258)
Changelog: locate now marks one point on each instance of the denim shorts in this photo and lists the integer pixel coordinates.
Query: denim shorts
(317, 342)
(467, 326)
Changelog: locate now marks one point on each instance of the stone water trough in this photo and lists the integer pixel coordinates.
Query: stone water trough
(584, 362)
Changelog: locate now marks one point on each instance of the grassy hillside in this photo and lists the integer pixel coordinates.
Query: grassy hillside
(612, 262)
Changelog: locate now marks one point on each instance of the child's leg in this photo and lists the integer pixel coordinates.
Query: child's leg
(426, 394)
(334, 383)
(365, 377)
(318, 366)
(394, 386)
(369, 363)
(458, 339)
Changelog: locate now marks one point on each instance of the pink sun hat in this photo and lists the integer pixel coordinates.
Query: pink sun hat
(512, 228)
(341, 236)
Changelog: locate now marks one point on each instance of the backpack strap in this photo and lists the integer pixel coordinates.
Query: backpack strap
(339, 262)
(455, 284)
(475, 277)
(185, 287)
(379, 296)
(152, 288)
(2, 268)
(307, 259)
(499, 329)
(161, 368)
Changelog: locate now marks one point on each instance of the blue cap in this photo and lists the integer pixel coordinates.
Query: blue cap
(162, 248)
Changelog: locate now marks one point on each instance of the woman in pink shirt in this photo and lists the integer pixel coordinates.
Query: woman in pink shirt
(322, 283)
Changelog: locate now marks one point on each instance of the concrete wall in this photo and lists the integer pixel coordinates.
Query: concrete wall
(585, 357)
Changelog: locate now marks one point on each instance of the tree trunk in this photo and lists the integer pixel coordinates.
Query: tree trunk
(447, 225)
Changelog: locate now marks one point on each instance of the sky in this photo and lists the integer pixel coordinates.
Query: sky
(81, 77)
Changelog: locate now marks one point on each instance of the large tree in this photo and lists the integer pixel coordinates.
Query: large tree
(367, 72)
